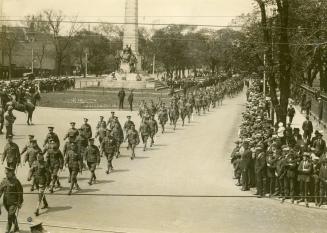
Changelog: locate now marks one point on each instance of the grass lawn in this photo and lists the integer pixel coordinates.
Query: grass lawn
(97, 98)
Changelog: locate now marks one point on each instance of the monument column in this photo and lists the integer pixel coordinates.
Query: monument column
(131, 29)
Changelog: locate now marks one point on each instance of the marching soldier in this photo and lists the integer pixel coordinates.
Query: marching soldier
(163, 117)
(86, 129)
(128, 124)
(101, 123)
(72, 132)
(153, 129)
(11, 153)
(74, 162)
(133, 139)
(81, 142)
(41, 173)
(101, 132)
(29, 144)
(67, 146)
(51, 135)
(145, 132)
(108, 148)
(31, 157)
(118, 134)
(12, 191)
(111, 120)
(55, 161)
(92, 157)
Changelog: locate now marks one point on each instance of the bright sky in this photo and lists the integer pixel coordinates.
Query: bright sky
(212, 12)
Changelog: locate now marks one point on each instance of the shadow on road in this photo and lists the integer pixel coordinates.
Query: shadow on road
(120, 170)
(104, 182)
(87, 191)
(57, 209)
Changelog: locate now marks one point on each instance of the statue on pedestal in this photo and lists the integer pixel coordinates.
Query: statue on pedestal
(128, 60)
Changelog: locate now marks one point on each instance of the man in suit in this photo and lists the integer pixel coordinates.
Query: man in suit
(319, 145)
(304, 177)
(121, 97)
(290, 113)
(307, 129)
(246, 158)
(260, 171)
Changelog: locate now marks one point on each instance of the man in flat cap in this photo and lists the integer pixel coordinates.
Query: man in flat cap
(323, 181)
(92, 158)
(246, 158)
(290, 177)
(307, 128)
(11, 153)
(12, 192)
(304, 177)
(319, 144)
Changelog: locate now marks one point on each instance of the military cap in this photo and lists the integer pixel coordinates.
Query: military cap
(34, 141)
(128, 116)
(50, 127)
(31, 136)
(316, 132)
(101, 116)
(112, 112)
(72, 123)
(86, 119)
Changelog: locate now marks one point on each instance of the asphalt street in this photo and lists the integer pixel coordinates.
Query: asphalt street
(189, 169)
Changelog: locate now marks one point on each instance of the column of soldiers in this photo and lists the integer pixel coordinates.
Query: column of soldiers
(80, 152)
(279, 161)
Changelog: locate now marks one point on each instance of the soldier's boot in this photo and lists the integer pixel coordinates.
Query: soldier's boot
(77, 186)
(37, 212)
(69, 178)
(16, 227)
(71, 189)
(9, 225)
(51, 188)
(144, 148)
(45, 203)
(94, 178)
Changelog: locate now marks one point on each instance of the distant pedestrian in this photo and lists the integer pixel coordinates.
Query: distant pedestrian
(9, 120)
(130, 100)
(307, 130)
(290, 113)
(121, 97)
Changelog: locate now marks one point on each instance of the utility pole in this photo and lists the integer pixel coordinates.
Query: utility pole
(86, 62)
(32, 66)
(154, 64)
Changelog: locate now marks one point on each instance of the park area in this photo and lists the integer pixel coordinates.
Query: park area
(98, 98)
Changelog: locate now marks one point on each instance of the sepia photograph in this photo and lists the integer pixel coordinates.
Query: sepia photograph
(175, 116)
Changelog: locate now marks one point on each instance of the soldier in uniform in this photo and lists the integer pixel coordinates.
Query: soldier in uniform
(163, 117)
(133, 139)
(118, 134)
(111, 120)
(108, 148)
(304, 177)
(74, 162)
(51, 135)
(11, 153)
(153, 124)
(31, 157)
(92, 157)
(72, 132)
(86, 129)
(101, 132)
(29, 144)
(9, 120)
(101, 123)
(128, 124)
(42, 178)
(12, 191)
(55, 161)
(145, 132)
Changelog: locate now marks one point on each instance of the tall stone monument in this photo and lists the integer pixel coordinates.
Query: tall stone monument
(130, 57)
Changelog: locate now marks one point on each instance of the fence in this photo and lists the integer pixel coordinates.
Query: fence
(318, 107)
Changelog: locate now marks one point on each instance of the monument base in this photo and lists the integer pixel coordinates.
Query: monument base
(128, 81)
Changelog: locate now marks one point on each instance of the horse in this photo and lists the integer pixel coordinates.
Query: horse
(27, 107)
(173, 115)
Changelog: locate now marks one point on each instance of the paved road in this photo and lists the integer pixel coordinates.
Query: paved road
(193, 160)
